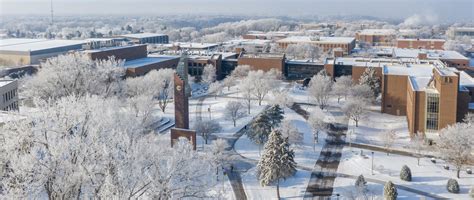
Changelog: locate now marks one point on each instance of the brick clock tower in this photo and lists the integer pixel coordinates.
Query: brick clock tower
(182, 91)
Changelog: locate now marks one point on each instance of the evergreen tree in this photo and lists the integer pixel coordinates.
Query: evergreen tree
(405, 173)
(275, 115)
(453, 186)
(277, 161)
(260, 129)
(369, 78)
(361, 185)
(390, 191)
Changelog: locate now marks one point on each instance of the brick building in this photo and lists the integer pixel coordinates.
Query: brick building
(264, 62)
(451, 58)
(8, 95)
(137, 61)
(377, 37)
(347, 44)
(435, 44)
(147, 38)
(431, 95)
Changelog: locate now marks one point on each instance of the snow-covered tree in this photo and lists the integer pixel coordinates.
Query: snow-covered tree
(206, 128)
(241, 71)
(316, 121)
(342, 87)
(452, 186)
(417, 144)
(215, 88)
(275, 115)
(388, 138)
(157, 84)
(220, 157)
(469, 119)
(288, 130)
(262, 83)
(246, 90)
(277, 161)
(471, 192)
(282, 98)
(370, 78)
(228, 82)
(76, 74)
(259, 130)
(362, 92)
(390, 191)
(455, 145)
(53, 152)
(361, 185)
(405, 173)
(354, 109)
(320, 90)
(209, 74)
(234, 111)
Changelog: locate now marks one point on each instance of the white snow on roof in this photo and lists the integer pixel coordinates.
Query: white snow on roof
(147, 61)
(143, 35)
(16, 41)
(187, 45)
(363, 62)
(246, 42)
(431, 54)
(5, 82)
(112, 48)
(40, 45)
(304, 39)
(465, 79)
(420, 39)
(419, 83)
(416, 70)
(378, 32)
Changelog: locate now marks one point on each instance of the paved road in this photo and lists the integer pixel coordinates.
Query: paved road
(324, 174)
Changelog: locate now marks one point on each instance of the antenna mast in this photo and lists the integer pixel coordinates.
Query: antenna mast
(52, 19)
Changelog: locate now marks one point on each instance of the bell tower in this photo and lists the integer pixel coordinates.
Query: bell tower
(182, 91)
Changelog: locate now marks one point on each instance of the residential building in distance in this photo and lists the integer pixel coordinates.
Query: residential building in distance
(34, 51)
(455, 32)
(347, 44)
(9, 95)
(147, 38)
(377, 37)
(186, 46)
(434, 44)
(137, 60)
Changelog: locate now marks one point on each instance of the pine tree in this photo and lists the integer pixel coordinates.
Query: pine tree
(277, 161)
(453, 186)
(260, 129)
(275, 114)
(405, 173)
(390, 191)
(369, 78)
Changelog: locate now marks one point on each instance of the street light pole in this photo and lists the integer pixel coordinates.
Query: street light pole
(372, 163)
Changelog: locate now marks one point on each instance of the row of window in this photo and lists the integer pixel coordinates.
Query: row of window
(12, 106)
(9, 95)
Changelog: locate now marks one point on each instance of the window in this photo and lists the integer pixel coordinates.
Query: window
(432, 111)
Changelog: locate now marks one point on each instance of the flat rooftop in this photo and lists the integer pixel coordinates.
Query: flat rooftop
(420, 39)
(303, 39)
(28, 45)
(4, 82)
(378, 32)
(112, 48)
(187, 45)
(143, 35)
(264, 55)
(431, 54)
(416, 70)
(147, 61)
(419, 83)
(362, 62)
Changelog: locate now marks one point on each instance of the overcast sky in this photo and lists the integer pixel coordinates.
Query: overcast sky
(452, 10)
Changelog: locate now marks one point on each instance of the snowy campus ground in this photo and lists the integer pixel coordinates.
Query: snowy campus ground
(428, 177)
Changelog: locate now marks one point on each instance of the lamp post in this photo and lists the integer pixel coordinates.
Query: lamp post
(372, 163)
(209, 110)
